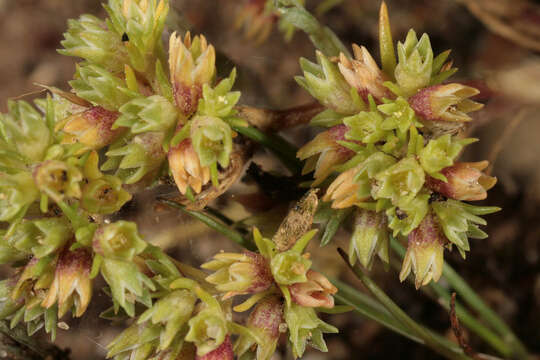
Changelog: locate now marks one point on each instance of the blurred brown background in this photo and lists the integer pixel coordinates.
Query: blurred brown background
(504, 269)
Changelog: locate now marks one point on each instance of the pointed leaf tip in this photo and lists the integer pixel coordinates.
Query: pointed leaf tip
(388, 56)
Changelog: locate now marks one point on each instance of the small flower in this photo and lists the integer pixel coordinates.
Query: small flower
(92, 127)
(58, 179)
(290, 267)
(104, 195)
(208, 330)
(323, 153)
(212, 140)
(402, 180)
(72, 285)
(370, 238)
(192, 64)
(119, 241)
(237, 274)
(186, 167)
(449, 102)
(363, 74)
(365, 127)
(407, 214)
(136, 342)
(317, 291)
(465, 181)
(424, 253)
(305, 327)
(256, 20)
(222, 352)
(264, 321)
(17, 191)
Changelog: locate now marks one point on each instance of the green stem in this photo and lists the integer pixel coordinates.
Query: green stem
(469, 295)
(285, 151)
(431, 341)
(213, 223)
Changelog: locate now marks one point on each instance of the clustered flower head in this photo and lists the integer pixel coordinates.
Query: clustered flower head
(392, 138)
(66, 161)
(153, 112)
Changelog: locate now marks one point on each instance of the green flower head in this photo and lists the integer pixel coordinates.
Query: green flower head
(207, 330)
(290, 267)
(17, 192)
(402, 180)
(119, 241)
(305, 327)
(212, 139)
(415, 63)
(58, 179)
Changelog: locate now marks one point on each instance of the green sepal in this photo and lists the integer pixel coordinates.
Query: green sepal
(144, 114)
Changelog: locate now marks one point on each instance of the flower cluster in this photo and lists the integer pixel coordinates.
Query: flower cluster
(150, 111)
(192, 315)
(282, 286)
(66, 161)
(393, 138)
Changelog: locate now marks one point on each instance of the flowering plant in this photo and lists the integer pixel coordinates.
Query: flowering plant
(141, 114)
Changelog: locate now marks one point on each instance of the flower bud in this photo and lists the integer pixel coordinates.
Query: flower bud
(465, 181)
(72, 285)
(415, 64)
(128, 284)
(58, 179)
(305, 327)
(40, 237)
(141, 157)
(449, 102)
(370, 238)
(424, 252)
(208, 330)
(345, 191)
(90, 39)
(326, 84)
(323, 153)
(264, 321)
(317, 291)
(26, 131)
(186, 167)
(212, 140)
(173, 311)
(192, 64)
(118, 241)
(237, 274)
(93, 127)
(363, 74)
(136, 342)
(354, 186)
(222, 352)
(17, 191)
(145, 114)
